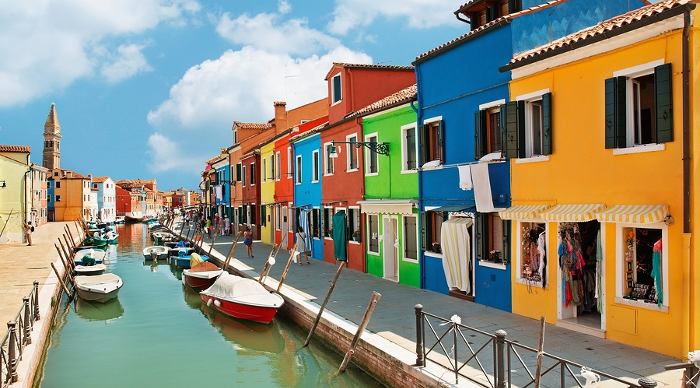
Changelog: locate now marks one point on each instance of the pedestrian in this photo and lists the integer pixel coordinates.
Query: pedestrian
(301, 245)
(227, 226)
(248, 240)
(207, 227)
(28, 229)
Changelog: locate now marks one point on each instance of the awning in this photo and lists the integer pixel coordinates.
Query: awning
(522, 212)
(453, 209)
(634, 214)
(572, 212)
(402, 207)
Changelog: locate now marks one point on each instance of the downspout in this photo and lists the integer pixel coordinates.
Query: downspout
(688, 284)
(419, 120)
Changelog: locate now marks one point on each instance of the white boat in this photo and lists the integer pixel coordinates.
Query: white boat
(99, 288)
(242, 298)
(160, 253)
(90, 270)
(133, 217)
(97, 254)
(120, 220)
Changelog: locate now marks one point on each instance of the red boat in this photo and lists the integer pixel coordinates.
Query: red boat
(242, 298)
(201, 276)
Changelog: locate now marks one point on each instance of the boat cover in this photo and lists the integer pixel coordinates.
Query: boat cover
(99, 283)
(203, 266)
(195, 259)
(242, 290)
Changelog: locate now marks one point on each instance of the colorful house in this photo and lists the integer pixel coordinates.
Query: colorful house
(236, 192)
(38, 208)
(391, 188)
(464, 174)
(221, 189)
(268, 178)
(601, 222)
(251, 192)
(71, 198)
(14, 164)
(106, 198)
(351, 87)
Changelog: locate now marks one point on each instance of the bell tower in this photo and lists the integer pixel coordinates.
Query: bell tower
(52, 140)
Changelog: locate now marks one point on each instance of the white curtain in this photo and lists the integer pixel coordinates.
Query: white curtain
(456, 251)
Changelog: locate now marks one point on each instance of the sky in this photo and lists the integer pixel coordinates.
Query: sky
(150, 88)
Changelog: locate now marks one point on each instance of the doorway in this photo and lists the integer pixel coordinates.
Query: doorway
(390, 249)
(283, 229)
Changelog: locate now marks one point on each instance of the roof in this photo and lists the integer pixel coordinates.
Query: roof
(243, 125)
(483, 29)
(603, 30)
(370, 67)
(310, 132)
(15, 148)
(52, 125)
(99, 179)
(398, 98)
(70, 174)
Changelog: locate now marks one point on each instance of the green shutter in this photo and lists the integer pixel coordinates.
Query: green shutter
(615, 112)
(478, 135)
(506, 241)
(547, 123)
(663, 78)
(521, 129)
(510, 142)
(513, 6)
(263, 216)
(423, 230)
(480, 235)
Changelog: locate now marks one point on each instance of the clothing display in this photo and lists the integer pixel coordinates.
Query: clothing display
(656, 272)
(340, 236)
(534, 253)
(465, 177)
(580, 266)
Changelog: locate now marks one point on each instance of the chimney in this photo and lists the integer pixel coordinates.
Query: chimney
(280, 116)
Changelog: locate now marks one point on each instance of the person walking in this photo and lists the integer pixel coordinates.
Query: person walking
(248, 240)
(301, 245)
(28, 229)
(227, 226)
(208, 227)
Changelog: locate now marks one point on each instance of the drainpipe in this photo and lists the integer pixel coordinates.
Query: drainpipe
(419, 120)
(686, 123)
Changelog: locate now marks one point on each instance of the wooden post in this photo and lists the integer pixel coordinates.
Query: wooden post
(267, 266)
(79, 232)
(286, 268)
(60, 255)
(68, 267)
(325, 302)
(363, 324)
(229, 255)
(72, 245)
(67, 256)
(68, 248)
(63, 285)
(216, 234)
(540, 351)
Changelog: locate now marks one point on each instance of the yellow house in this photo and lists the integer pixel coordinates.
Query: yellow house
(268, 176)
(14, 166)
(72, 196)
(601, 226)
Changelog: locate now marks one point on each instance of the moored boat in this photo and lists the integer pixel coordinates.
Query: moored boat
(90, 270)
(201, 276)
(120, 220)
(100, 288)
(155, 252)
(112, 237)
(133, 217)
(96, 254)
(242, 298)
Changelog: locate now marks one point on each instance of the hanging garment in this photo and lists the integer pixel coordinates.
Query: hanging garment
(219, 193)
(465, 177)
(541, 250)
(599, 272)
(340, 236)
(304, 223)
(482, 188)
(656, 272)
(456, 251)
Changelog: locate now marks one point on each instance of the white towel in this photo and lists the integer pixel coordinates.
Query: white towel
(482, 188)
(465, 177)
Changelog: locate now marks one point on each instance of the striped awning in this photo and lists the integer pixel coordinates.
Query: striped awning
(634, 214)
(572, 212)
(522, 212)
(401, 207)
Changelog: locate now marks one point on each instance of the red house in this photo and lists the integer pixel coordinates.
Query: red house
(127, 201)
(350, 88)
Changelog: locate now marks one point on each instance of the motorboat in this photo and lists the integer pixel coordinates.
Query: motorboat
(185, 262)
(242, 298)
(111, 237)
(156, 252)
(97, 254)
(201, 275)
(133, 217)
(90, 270)
(120, 220)
(99, 288)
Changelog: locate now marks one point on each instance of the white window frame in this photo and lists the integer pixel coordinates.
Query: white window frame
(320, 222)
(634, 72)
(243, 175)
(369, 238)
(278, 223)
(348, 148)
(289, 163)
(403, 240)
(359, 211)
(252, 169)
(404, 148)
(339, 76)
(315, 166)
(330, 219)
(369, 154)
(518, 255)
(278, 165)
(528, 99)
(327, 160)
(298, 165)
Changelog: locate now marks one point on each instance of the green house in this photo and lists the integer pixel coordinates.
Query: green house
(390, 207)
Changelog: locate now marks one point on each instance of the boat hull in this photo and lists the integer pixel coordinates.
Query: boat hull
(98, 297)
(241, 311)
(198, 283)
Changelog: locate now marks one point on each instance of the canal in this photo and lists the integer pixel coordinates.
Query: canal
(159, 334)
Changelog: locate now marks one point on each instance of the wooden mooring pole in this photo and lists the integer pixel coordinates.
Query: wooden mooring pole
(268, 264)
(212, 243)
(363, 324)
(292, 253)
(325, 302)
(540, 351)
(63, 285)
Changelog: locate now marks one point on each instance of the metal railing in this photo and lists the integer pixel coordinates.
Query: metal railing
(494, 361)
(19, 335)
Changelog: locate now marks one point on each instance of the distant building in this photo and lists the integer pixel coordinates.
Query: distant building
(38, 195)
(14, 209)
(106, 198)
(71, 199)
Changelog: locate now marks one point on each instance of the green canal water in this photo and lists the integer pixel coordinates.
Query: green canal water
(158, 334)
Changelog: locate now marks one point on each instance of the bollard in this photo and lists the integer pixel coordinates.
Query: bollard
(500, 359)
(420, 360)
(12, 352)
(646, 382)
(27, 322)
(36, 301)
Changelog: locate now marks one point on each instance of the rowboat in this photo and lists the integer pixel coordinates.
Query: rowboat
(97, 254)
(185, 262)
(201, 276)
(133, 217)
(100, 288)
(90, 270)
(242, 298)
(111, 237)
(155, 252)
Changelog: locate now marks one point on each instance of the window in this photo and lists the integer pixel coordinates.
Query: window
(336, 89)
(263, 215)
(252, 174)
(528, 126)
(352, 152)
(315, 223)
(410, 233)
(409, 149)
(298, 171)
(532, 252)
(235, 135)
(58, 185)
(252, 209)
(488, 131)
(58, 198)
(433, 226)
(316, 166)
(492, 238)
(373, 233)
(243, 175)
(639, 106)
(277, 217)
(433, 138)
(643, 273)
(272, 167)
(277, 165)
(264, 170)
(329, 162)
(289, 162)
(354, 224)
(328, 222)
(372, 159)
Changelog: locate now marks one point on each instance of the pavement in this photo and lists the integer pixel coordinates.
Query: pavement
(22, 265)
(395, 317)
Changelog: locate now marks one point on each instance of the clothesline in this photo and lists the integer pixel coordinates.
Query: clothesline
(451, 165)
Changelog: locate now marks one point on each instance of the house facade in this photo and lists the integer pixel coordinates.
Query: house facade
(71, 196)
(268, 178)
(307, 189)
(250, 184)
(14, 164)
(106, 198)
(38, 207)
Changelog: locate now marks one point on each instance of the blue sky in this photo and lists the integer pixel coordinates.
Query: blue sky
(149, 88)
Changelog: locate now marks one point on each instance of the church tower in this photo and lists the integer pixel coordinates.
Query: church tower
(52, 140)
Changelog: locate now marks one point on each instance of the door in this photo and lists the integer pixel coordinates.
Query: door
(390, 249)
(284, 233)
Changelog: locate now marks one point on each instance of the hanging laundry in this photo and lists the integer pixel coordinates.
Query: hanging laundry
(599, 272)
(482, 188)
(465, 177)
(456, 251)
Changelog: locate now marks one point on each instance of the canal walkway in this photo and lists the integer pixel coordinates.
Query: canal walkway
(394, 318)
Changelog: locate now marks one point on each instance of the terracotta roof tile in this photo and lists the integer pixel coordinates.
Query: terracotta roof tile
(242, 125)
(310, 132)
(603, 28)
(402, 96)
(99, 179)
(15, 148)
(375, 67)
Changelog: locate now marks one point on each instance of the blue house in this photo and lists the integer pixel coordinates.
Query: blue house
(50, 200)
(464, 177)
(306, 164)
(223, 183)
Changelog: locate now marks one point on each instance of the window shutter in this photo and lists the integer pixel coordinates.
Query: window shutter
(480, 235)
(478, 138)
(423, 231)
(610, 113)
(615, 112)
(664, 103)
(238, 172)
(423, 145)
(493, 12)
(263, 219)
(521, 129)
(513, 6)
(506, 241)
(510, 141)
(547, 123)
(441, 141)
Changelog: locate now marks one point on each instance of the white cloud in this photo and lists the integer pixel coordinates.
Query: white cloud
(284, 7)
(128, 62)
(167, 155)
(266, 31)
(353, 14)
(51, 44)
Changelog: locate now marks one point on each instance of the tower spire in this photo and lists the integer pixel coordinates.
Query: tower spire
(52, 126)
(52, 140)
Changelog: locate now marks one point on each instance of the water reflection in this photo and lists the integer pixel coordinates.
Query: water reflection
(99, 311)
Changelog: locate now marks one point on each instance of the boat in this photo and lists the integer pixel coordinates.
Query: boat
(120, 220)
(175, 252)
(96, 254)
(111, 237)
(202, 275)
(133, 217)
(185, 262)
(242, 298)
(100, 288)
(96, 240)
(90, 270)
(155, 252)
